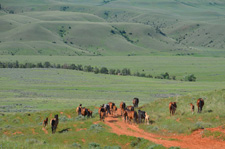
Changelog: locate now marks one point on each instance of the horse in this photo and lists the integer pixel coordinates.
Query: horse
(130, 108)
(54, 123)
(141, 115)
(101, 112)
(84, 111)
(45, 122)
(122, 107)
(200, 104)
(130, 115)
(172, 107)
(107, 109)
(192, 108)
(146, 118)
(135, 102)
(89, 113)
(111, 105)
(78, 109)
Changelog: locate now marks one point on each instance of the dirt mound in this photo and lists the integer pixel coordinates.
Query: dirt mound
(194, 140)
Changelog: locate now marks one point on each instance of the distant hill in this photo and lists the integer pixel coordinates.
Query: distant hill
(112, 27)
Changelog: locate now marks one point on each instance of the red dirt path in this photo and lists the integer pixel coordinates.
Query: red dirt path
(193, 141)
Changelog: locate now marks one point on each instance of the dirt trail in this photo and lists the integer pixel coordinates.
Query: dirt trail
(193, 141)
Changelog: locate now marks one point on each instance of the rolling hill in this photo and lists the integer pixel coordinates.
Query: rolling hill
(112, 27)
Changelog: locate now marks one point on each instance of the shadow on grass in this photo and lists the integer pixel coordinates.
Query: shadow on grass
(64, 130)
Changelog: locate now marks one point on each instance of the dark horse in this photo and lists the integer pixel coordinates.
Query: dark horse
(54, 123)
(172, 107)
(122, 107)
(141, 115)
(101, 112)
(200, 104)
(135, 102)
(107, 108)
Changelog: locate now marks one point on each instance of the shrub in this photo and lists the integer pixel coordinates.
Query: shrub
(112, 147)
(165, 75)
(190, 77)
(96, 70)
(155, 146)
(47, 64)
(112, 71)
(104, 70)
(76, 145)
(94, 145)
(96, 127)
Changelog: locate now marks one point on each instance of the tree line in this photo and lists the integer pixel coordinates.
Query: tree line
(96, 70)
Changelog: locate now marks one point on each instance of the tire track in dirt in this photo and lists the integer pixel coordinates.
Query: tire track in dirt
(193, 141)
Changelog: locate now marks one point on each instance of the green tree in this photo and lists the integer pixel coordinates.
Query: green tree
(104, 70)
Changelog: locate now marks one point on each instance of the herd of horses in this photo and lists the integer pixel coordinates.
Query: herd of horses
(127, 112)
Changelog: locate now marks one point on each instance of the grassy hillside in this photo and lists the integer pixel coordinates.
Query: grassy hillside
(112, 27)
(184, 121)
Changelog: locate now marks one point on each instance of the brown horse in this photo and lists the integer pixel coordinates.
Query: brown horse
(89, 113)
(78, 109)
(172, 107)
(122, 107)
(45, 122)
(130, 115)
(192, 108)
(111, 105)
(54, 123)
(135, 102)
(84, 111)
(130, 108)
(101, 112)
(200, 104)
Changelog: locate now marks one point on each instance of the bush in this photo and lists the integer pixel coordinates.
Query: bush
(96, 127)
(155, 146)
(112, 71)
(190, 77)
(94, 145)
(165, 75)
(104, 70)
(76, 145)
(96, 70)
(112, 147)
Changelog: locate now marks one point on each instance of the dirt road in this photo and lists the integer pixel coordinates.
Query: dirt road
(193, 141)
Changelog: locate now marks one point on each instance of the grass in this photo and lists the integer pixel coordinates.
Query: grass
(149, 28)
(206, 69)
(215, 134)
(61, 89)
(184, 121)
(21, 130)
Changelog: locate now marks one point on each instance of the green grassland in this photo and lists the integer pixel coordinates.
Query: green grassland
(112, 27)
(147, 36)
(206, 69)
(184, 121)
(25, 131)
